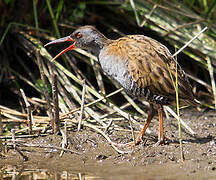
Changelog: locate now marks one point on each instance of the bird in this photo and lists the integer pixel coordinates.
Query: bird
(144, 67)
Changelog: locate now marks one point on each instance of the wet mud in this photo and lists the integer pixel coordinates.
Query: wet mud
(96, 159)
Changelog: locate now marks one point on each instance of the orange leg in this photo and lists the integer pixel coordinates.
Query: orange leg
(160, 130)
(142, 132)
(151, 114)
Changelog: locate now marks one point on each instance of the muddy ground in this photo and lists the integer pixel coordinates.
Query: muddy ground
(98, 160)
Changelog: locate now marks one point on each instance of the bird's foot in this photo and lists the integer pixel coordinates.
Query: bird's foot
(162, 141)
(130, 144)
(159, 143)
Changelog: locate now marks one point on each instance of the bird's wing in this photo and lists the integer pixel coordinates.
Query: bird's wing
(151, 65)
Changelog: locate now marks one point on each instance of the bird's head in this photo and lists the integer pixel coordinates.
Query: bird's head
(85, 37)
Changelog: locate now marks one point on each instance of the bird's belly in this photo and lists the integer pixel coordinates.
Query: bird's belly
(115, 68)
(118, 71)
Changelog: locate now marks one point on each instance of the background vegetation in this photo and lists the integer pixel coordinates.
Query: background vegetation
(25, 64)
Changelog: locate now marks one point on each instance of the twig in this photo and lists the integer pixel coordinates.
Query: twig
(199, 81)
(53, 18)
(13, 138)
(46, 94)
(64, 139)
(31, 76)
(182, 26)
(126, 105)
(1, 127)
(182, 122)
(131, 101)
(90, 111)
(79, 73)
(68, 73)
(25, 158)
(35, 14)
(102, 133)
(135, 12)
(150, 13)
(175, 84)
(211, 73)
(178, 114)
(13, 131)
(181, 49)
(80, 176)
(132, 130)
(64, 88)
(23, 136)
(98, 76)
(25, 80)
(82, 105)
(75, 93)
(18, 24)
(55, 119)
(94, 102)
(108, 125)
(29, 112)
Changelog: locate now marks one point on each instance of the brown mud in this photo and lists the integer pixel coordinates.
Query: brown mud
(98, 160)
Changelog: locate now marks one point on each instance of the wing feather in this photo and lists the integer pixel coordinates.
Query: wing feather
(151, 66)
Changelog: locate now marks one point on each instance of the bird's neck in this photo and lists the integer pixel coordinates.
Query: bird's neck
(99, 42)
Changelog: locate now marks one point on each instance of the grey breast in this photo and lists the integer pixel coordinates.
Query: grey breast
(115, 68)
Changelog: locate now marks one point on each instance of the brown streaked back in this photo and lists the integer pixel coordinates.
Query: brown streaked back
(151, 66)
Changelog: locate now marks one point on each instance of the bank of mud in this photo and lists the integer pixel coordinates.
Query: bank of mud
(95, 156)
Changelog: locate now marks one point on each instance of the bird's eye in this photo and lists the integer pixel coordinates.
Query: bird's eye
(78, 35)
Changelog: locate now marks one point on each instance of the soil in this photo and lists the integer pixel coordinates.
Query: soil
(98, 160)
